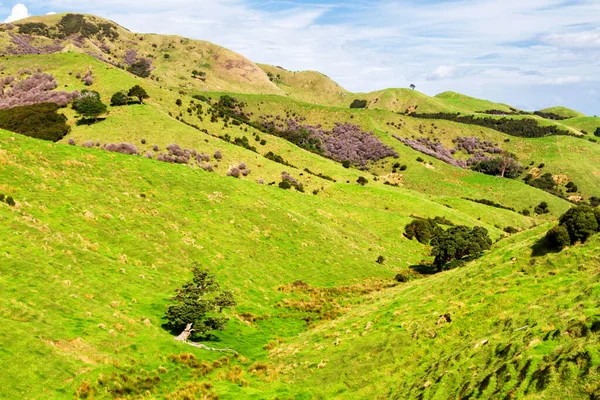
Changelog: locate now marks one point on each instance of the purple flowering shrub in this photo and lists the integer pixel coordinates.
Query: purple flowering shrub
(123, 148)
(35, 89)
(344, 142)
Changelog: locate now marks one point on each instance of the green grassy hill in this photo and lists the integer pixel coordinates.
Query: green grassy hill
(109, 237)
(98, 242)
(308, 86)
(563, 112)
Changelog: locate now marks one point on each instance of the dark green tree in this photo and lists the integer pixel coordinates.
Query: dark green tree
(138, 92)
(558, 237)
(597, 133)
(357, 103)
(423, 230)
(119, 99)
(457, 243)
(580, 222)
(89, 105)
(199, 302)
(362, 181)
(541, 208)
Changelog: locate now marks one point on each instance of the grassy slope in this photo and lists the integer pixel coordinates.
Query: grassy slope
(225, 69)
(442, 179)
(520, 327)
(399, 100)
(108, 237)
(309, 86)
(563, 112)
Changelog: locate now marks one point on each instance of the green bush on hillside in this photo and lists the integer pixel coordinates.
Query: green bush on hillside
(423, 230)
(597, 133)
(576, 225)
(200, 302)
(358, 104)
(119, 99)
(89, 105)
(458, 243)
(542, 208)
(558, 237)
(41, 121)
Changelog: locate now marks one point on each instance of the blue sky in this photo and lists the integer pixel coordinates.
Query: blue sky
(528, 53)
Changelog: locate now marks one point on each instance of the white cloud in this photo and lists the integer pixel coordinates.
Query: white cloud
(579, 40)
(506, 50)
(442, 72)
(51, 13)
(19, 11)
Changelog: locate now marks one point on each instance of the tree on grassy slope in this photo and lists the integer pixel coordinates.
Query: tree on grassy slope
(89, 105)
(199, 303)
(138, 92)
(457, 243)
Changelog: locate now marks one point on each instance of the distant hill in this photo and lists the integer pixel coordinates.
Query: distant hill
(309, 86)
(563, 112)
(172, 59)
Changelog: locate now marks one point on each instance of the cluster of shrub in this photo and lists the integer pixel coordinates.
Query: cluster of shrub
(432, 148)
(71, 24)
(597, 133)
(40, 121)
(36, 88)
(399, 167)
(277, 158)
(505, 165)
(513, 111)
(344, 142)
(139, 66)
(7, 199)
(550, 115)
(490, 203)
(357, 103)
(576, 225)
(320, 175)
(288, 181)
(450, 247)
(123, 98)
(527, 127)
(547, 183)
(241, 169)
(175, 154)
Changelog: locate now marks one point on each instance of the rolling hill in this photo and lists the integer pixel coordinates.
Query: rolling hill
(333, 298)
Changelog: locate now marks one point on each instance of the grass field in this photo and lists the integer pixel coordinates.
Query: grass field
(98, 242)
(109, 237)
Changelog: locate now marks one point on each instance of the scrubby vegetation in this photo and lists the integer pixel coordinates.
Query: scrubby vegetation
(526, 127)
(41, 121)
(575, 226)
(35, 88)
(458, 243)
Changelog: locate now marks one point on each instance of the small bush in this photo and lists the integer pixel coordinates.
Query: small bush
(558, 238)
(358, 104)
(10, 201)
(420, 159)
(380, 259)
(234, 171)
(119, 99)
(423, 230)
(362, 181)
(285, 185)
(218, 155)
(511, 230)
(542, 208)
